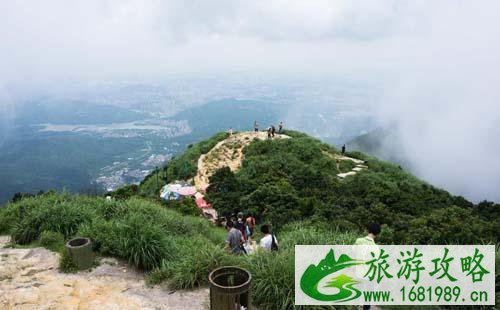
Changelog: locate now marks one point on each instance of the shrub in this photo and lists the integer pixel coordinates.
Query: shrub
(63, 217)
(11, 214)
(134, 238)
(51, 212)
(104, 235)
(273, 278)
(125, 192)
(186, 206)
(306, 232)
(53, 241)
(67, 264)
(276, 203)
(196, 259)
(144, 244)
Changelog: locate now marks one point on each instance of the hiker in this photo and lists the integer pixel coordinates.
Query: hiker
(343, 149)
(250, 224)
(240, 225)
(230, 131)
(255, 126)
(269, 132)
(280, 127)
(273, 130)
(269, 241)
(234, 240)
(373, 231)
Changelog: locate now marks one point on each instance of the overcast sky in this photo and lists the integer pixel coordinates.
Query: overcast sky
(437, 61)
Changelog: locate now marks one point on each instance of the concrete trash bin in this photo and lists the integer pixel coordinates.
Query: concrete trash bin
(80, 249)
(230, 288)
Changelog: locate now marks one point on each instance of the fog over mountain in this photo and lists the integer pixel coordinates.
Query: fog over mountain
(433, 65)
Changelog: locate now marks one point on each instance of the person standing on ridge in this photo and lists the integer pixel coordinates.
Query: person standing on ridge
(280, 127)
(269, 132)
(343, 149)
(273, 130)
(255, 126)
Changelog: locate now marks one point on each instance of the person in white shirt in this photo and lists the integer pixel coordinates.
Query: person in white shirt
(269, 241)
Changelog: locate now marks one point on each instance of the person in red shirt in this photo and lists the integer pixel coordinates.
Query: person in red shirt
(250, 222)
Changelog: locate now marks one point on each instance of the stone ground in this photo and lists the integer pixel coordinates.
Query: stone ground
(29, 279)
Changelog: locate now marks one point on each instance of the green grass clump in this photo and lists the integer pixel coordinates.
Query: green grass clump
(64, 217)
(142, 244)
(67, 264)
(53, 241)
(273, 279)
(196, 259)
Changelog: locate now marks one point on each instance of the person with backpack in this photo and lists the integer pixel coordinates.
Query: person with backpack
(273, 130)
(269, 241)
(240, 225)
(343, 149)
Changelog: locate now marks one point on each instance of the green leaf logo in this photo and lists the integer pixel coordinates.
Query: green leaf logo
(345, 284)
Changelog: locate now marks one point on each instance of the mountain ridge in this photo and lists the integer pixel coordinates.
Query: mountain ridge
(283, 180)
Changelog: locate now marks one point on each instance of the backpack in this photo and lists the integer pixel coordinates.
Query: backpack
(241, 227)
(274, 245)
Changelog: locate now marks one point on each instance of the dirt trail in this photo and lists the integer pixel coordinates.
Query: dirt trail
(227, 153)
(29, 279)
(360, 164)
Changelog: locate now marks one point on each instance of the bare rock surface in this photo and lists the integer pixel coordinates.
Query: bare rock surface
(29, 279)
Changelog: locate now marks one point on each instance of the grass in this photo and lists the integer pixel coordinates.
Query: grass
(53, 241)
(346, 165)
(174, 248)
(67, 264)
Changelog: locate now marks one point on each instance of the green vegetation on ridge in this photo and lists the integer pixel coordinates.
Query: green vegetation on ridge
(294, 179)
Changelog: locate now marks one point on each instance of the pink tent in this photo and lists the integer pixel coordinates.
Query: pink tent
(201, 203)
(187, 191)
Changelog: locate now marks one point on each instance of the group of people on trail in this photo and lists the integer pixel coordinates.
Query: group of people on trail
(240, 234)
(271, 130)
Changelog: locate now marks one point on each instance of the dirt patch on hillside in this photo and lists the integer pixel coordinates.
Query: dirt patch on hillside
(227, 153)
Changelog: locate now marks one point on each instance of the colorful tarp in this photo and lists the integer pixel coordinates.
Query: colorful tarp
(176, 191)
(201, 203)
(187, 191)
(170, 192)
